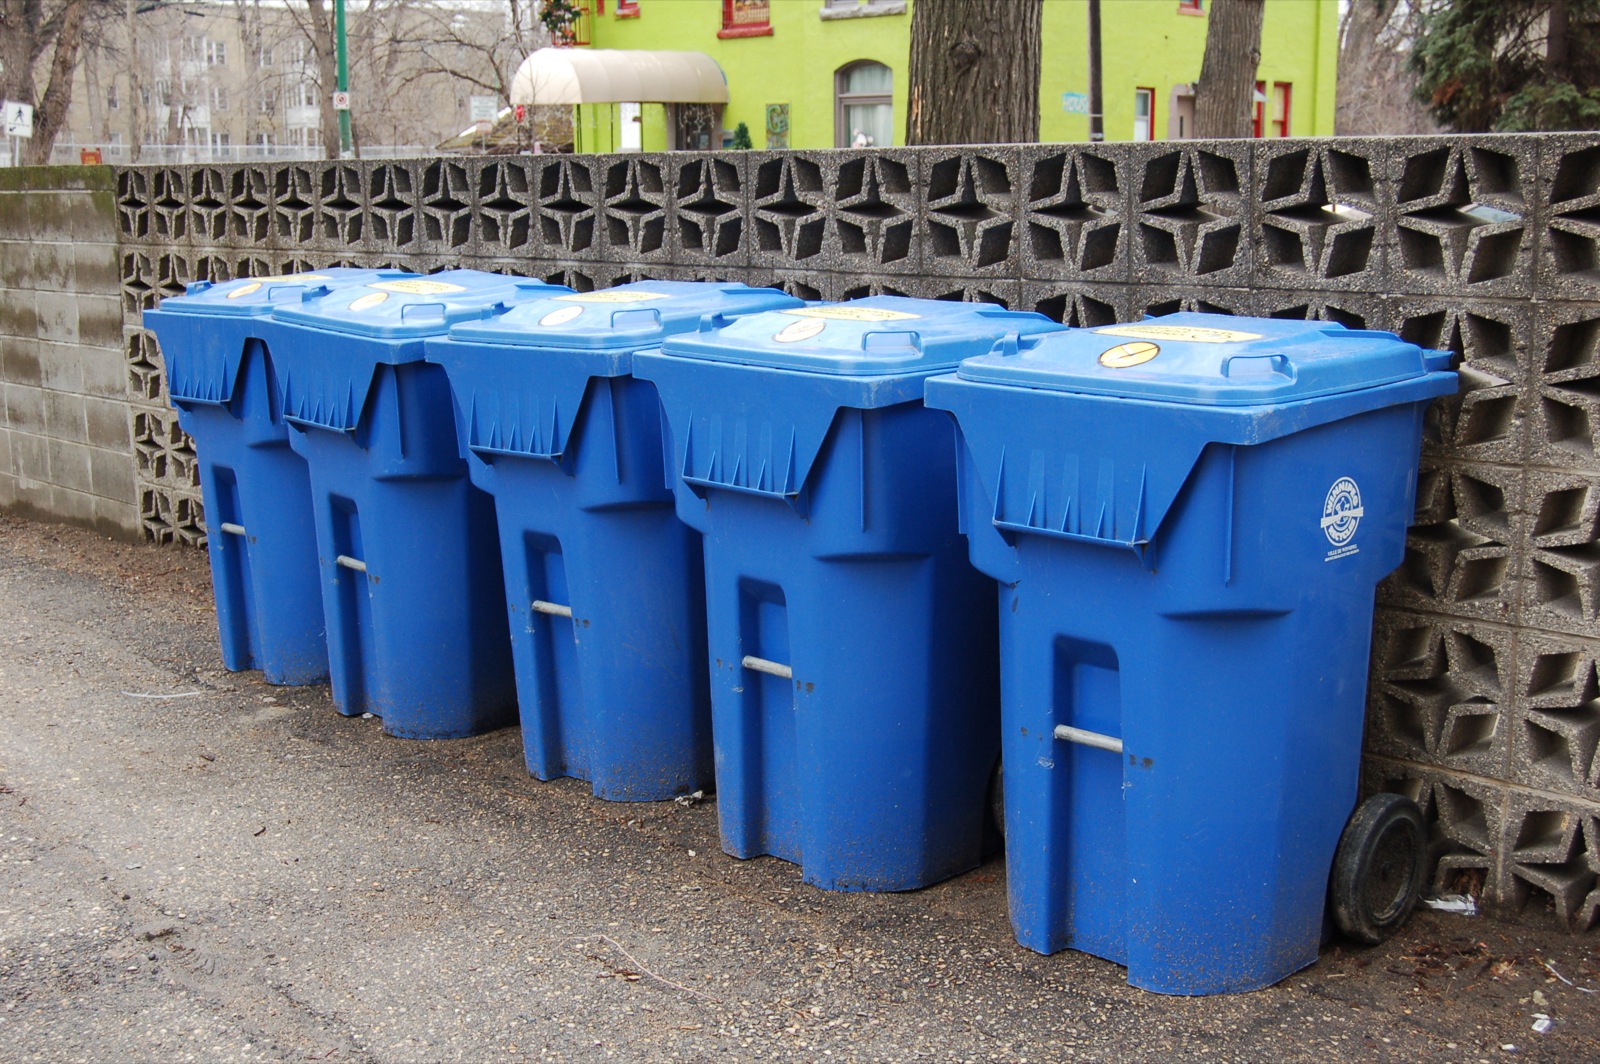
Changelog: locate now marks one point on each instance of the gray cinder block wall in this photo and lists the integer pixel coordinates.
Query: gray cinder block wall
(65, 434)
(1484, 699)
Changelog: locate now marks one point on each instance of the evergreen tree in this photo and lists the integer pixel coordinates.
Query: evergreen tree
(1510, 65)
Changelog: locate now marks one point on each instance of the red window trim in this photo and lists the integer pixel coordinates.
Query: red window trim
(1192, 7)
(1149, 119)
(1258, 110)
(731, 29)
(627, 8)
(1281, 125)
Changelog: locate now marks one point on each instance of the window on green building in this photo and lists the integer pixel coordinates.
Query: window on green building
(864, 108)
(746, 18)
(1144, 114)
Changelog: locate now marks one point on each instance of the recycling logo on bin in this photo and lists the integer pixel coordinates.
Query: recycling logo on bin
(1341, 515)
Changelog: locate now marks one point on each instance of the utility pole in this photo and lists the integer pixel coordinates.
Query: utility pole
(343, 77)
(1097, 125)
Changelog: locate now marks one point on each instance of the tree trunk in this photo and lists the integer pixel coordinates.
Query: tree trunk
(51, 112)
(974, 72)
(1224, 100)
(327, 74)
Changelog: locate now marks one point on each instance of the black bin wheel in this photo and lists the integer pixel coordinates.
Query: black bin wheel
(994, 826)
(1378, 868)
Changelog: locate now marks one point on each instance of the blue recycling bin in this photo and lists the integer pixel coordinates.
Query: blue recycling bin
(1188, 518)
(604, 585)
(851, 646)
(409, 559)
(260, 535)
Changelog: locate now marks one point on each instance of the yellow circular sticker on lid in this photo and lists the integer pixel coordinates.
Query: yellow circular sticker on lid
(796, 331)
(418, 288)
(368, 301)
(1180, 334)
(1124, 355)
(631, 296)
(255, 284)
(848, 313)
(245, 290)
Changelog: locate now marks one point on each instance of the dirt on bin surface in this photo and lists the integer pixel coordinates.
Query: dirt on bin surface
(197, 866)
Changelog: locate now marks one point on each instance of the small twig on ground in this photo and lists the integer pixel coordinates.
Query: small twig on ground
(614, 944)
(179, 694)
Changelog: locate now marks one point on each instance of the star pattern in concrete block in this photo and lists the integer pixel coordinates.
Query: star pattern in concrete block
(1074, 211)
(446, 204)
(391, 194)
(291, 204)
(1573, 222)
(709, 218)
(1445, 695)
(339, 204)
(1318, 219)
(970, 210)
(871, 200)
(504, 214)
(1557, 852)
(1190, 212)
(1461, 220)
(635, 206)
(247, 204)
(566, 206)
(790, 216)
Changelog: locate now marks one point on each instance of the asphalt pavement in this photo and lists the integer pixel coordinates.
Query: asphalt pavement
(197, 866)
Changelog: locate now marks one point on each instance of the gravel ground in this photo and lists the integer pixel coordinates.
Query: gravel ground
(232, 871)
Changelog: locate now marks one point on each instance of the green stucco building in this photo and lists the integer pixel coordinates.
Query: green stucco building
(830, 73)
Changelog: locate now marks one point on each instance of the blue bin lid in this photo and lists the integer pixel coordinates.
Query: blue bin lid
(1209, 360)
(411, 306)
(628, 316)
(878, 336)
(246, 297)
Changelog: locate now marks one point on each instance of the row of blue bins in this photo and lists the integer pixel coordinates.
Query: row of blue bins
(700, 534)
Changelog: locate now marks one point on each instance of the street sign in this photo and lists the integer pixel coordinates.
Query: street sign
(341, 101)
(1075, 103)
(18, 119)
(483, 108)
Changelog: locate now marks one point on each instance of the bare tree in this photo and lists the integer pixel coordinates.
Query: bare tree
(1377, 85)
(974, 72)
(1224, 98)
(29, 29)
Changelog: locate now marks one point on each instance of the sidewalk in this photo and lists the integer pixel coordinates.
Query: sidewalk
(196, 866)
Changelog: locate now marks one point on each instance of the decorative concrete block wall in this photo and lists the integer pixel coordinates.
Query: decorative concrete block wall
(64, 434)
(1484, 699)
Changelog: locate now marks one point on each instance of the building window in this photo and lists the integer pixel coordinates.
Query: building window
(694, 126)
(216, 53)
(113, 100)
(864, 107)
(1191, 7)
(1258, 109)
(1144, 114)
(264, 58)
(746, 18)
(219, 98)
(627, 8)
(267, 104)
(1281, 92)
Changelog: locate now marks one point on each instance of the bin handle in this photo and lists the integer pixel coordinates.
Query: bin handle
(1098, 740)
(287, 289)
(768, 666)
(194, 288)
(880, 338)
(620, 319)
(1280, 364)
(409, 307)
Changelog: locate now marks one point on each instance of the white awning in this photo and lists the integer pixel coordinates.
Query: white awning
(614, 75)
